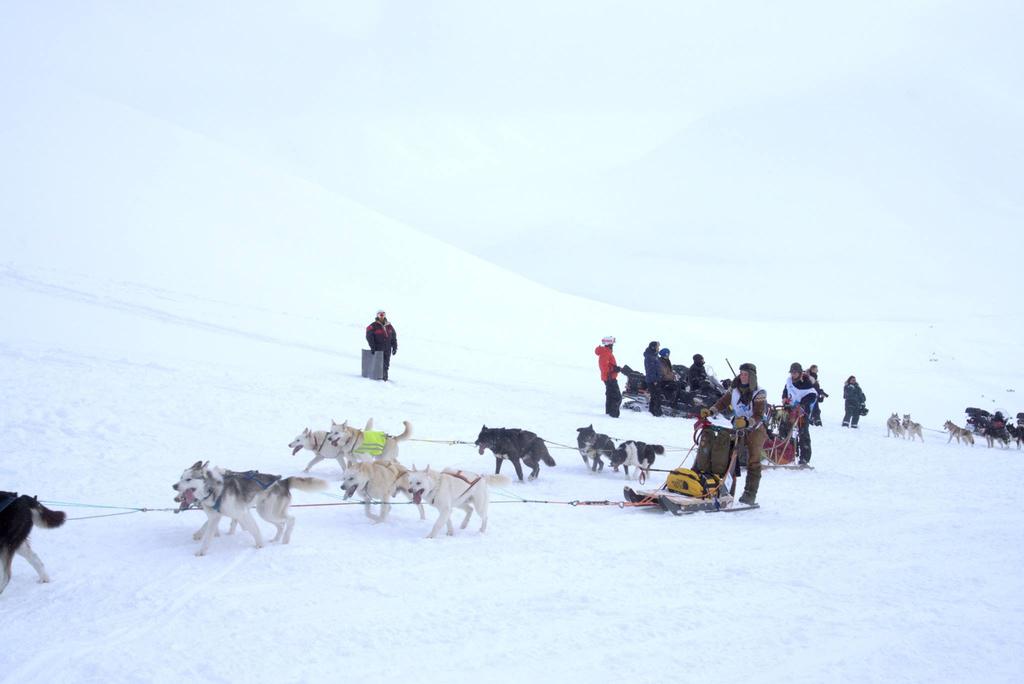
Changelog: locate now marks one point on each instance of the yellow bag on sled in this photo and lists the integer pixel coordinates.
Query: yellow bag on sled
(691, 483)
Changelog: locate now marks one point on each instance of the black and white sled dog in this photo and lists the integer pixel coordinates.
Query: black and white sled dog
(637, 454)
(17, 516)
(514, 445)
(230, 493)
(593, 445)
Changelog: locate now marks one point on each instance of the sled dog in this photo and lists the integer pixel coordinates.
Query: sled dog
(894, 428)
(1017, 432)
(911, 429)
(958, 432)
(450, 489)
(365, 444)
(518, 446)
(993, 435)
(377, 481)
(593, 445)
(232, 494)
(18, 514)
(319, 442)
(637, 454)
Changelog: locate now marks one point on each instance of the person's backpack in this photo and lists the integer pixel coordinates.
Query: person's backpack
(713, 451)
(691, 483)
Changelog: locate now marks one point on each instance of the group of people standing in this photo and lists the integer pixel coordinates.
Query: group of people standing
(802, 394)
(663, 383)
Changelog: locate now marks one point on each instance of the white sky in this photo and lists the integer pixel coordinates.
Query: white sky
(627, 152)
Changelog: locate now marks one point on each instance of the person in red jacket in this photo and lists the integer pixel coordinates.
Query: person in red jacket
(381, 337)
(609, 376)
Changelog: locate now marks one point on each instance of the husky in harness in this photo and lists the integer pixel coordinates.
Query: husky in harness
(229, 493)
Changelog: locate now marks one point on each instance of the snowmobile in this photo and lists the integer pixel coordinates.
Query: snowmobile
(686, 403)
(981, 422)
(711, 490)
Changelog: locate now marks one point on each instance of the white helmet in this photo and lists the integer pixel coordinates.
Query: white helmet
(607, 341)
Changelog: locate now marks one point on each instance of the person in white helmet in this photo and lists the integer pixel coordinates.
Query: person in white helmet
(609, 376)
(383, 339)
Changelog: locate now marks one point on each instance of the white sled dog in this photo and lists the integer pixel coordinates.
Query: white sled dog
(911, 429)
(377, 481)
(232, 494)
(361, 445)
(960, 433)
(894, 428)
(319, 442)
(450, 489)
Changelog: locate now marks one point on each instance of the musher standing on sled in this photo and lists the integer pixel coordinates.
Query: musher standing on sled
(609, 376)
(800, 391)
(748, 404)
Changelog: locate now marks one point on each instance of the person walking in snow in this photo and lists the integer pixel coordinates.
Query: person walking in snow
(812, 371)
(383, 339)
(853, 397)
(609, 376)
(799, 393)
(652, 375)
(748, 403)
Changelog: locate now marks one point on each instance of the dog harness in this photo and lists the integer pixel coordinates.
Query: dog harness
(373, 444)
(264, 480)
(465, 479)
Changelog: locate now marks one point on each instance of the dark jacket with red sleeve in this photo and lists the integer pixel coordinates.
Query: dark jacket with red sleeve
(382, 337)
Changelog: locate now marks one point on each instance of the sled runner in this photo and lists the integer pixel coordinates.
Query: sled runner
(787, 466)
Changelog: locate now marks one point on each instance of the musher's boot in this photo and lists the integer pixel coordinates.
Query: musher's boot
(748, 498)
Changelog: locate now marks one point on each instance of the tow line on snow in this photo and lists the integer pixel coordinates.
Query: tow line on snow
(125, 510)
(128, 510)
(557, 445)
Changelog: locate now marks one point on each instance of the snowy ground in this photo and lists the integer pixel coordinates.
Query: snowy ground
(199, 218)
(892, 561)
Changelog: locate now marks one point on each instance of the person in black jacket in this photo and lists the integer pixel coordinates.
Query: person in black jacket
(854, 399)
(697, 374)
(812, 371)
(652, 375)
(799, 392)
(382, 338)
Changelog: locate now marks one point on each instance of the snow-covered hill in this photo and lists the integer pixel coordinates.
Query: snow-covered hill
(168, 295)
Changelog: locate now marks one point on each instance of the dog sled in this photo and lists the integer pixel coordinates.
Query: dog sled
(780, 451)
(684, 404)
(710, 486)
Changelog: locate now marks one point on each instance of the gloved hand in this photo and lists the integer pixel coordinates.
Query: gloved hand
(786, 401)
(706, 413)
(394, 352)
(616, 369)
(372, 352)
(739, 423)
